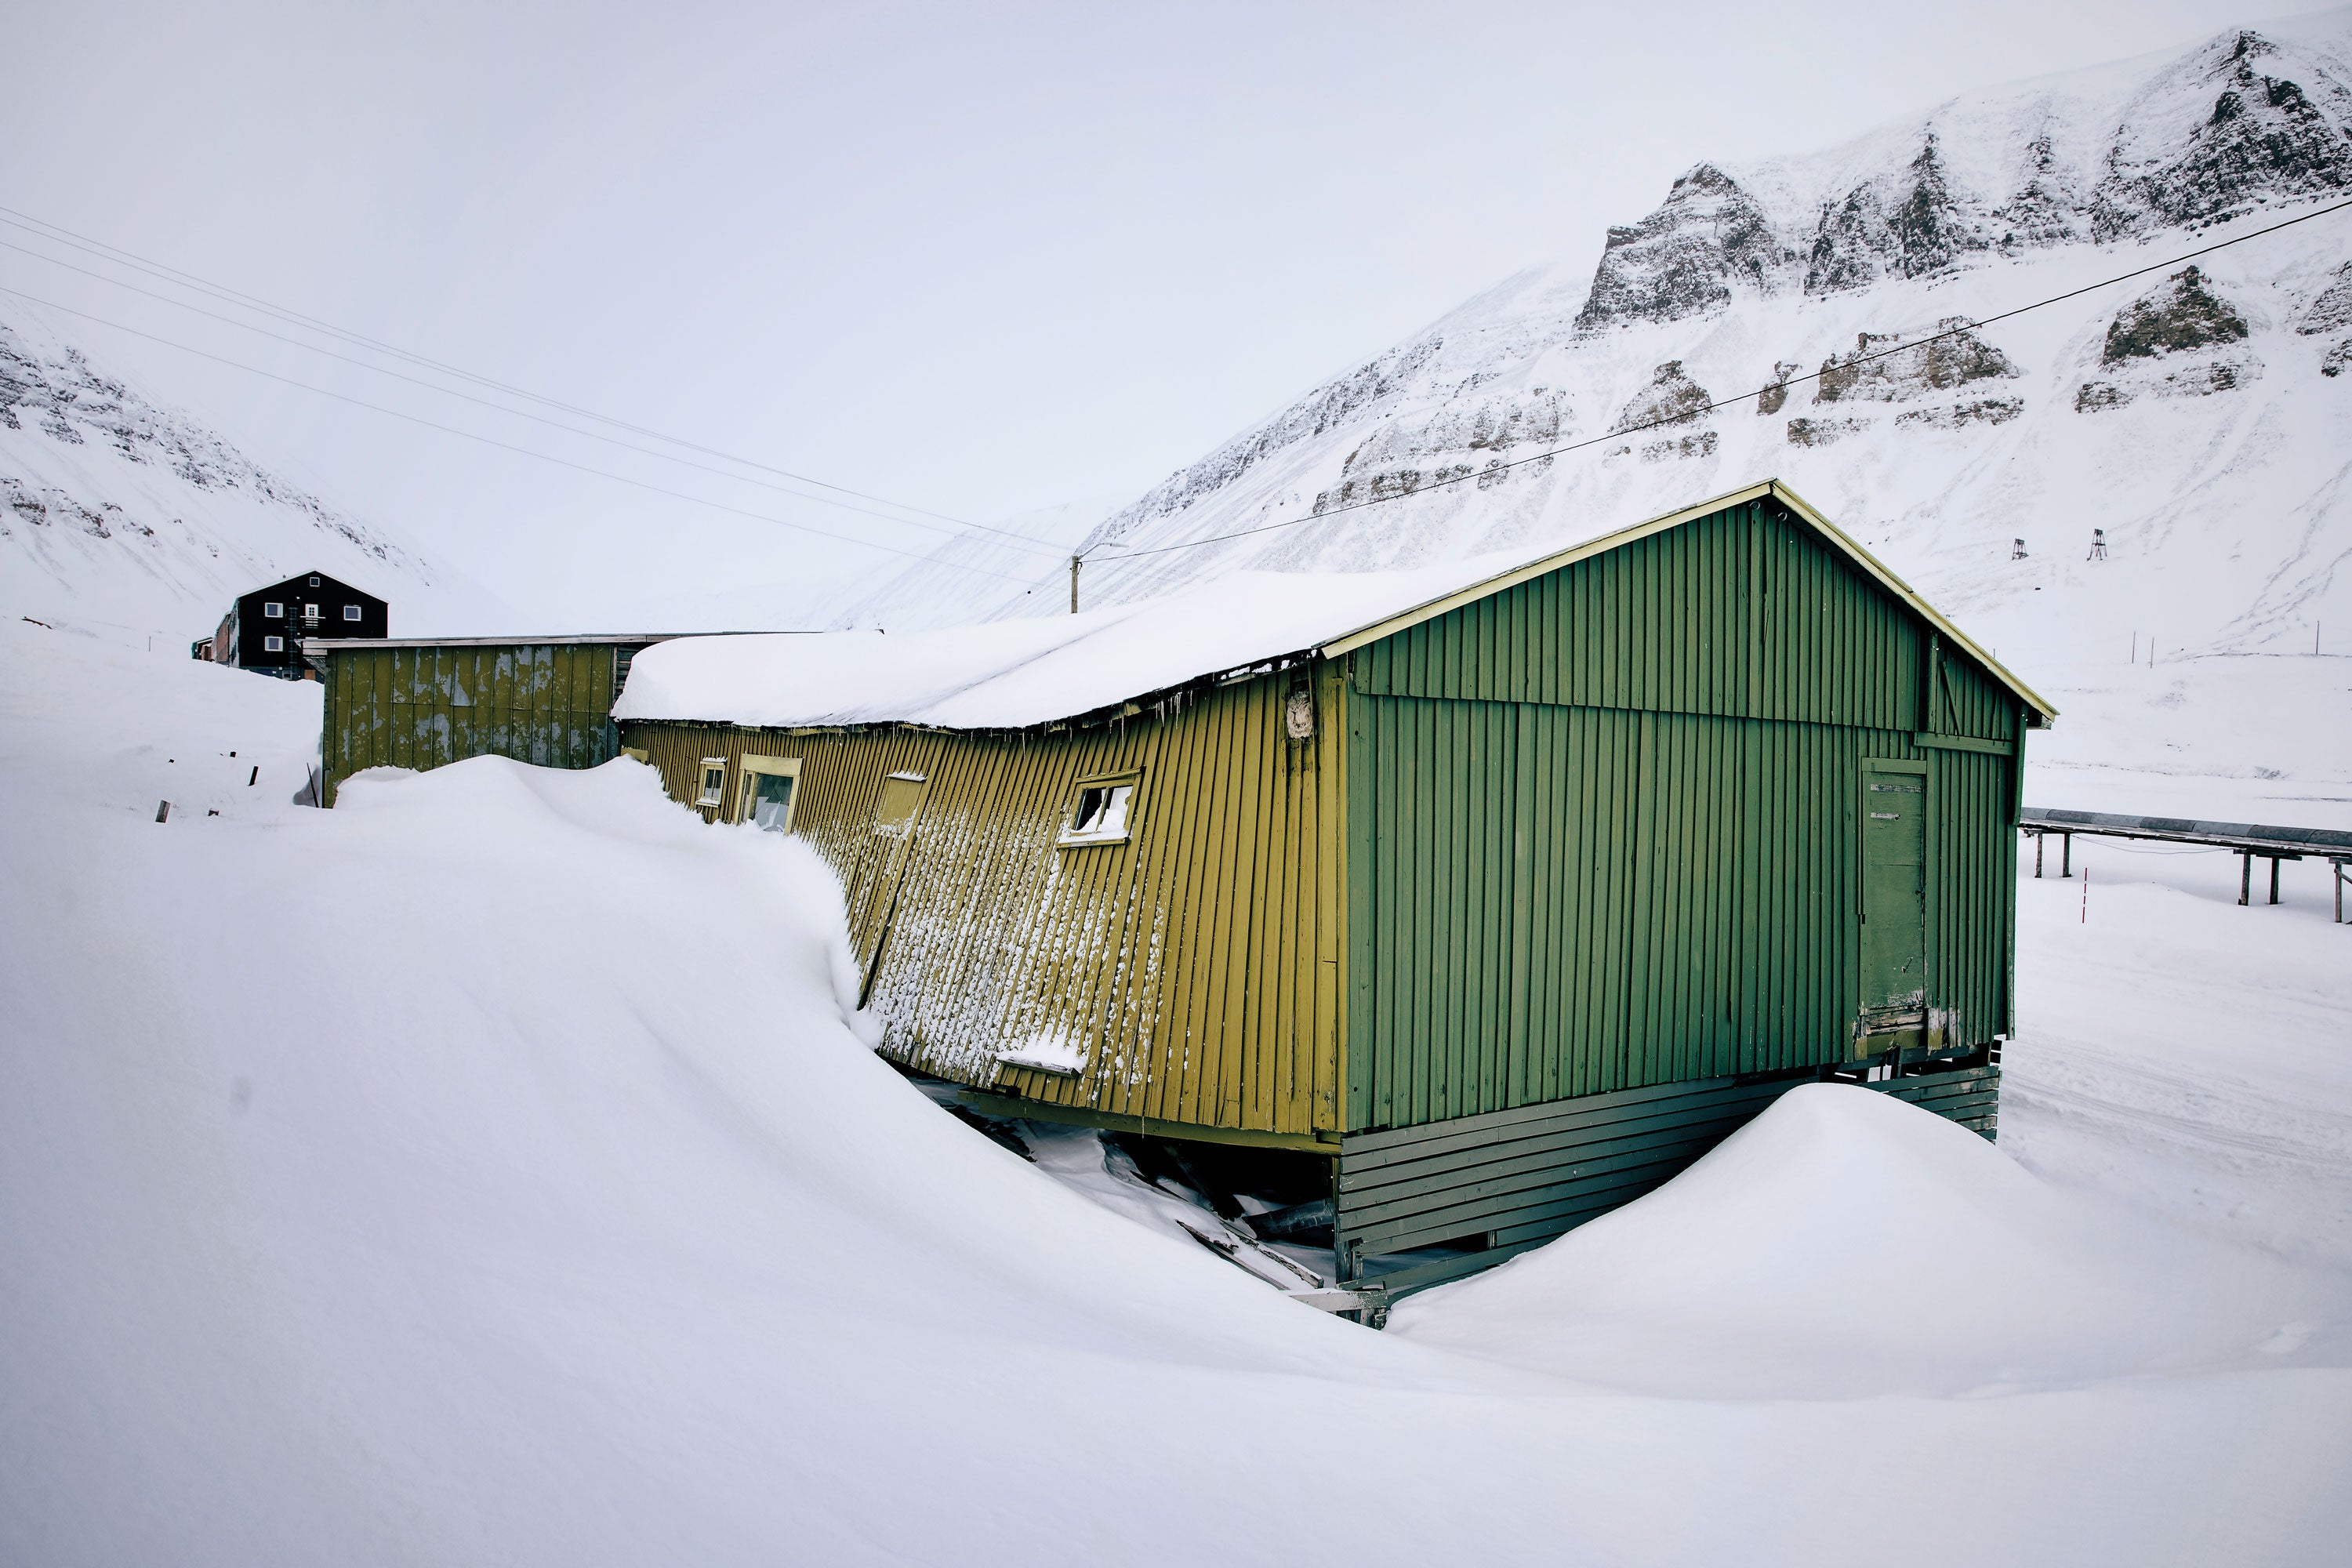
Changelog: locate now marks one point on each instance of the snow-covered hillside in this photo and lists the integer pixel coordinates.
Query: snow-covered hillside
(2203, 419)
(123, 516)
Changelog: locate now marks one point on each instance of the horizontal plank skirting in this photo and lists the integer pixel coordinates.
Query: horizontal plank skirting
(1565, 1117)
(1392, 1137)
(1518, 1178)
(1396, 1232)
(1391, 1183)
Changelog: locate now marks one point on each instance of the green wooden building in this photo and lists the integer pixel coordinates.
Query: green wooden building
(1506, 898)
(422, 704)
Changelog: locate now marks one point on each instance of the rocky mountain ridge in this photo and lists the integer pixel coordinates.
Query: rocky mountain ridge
(1793, 276)
(120, 512)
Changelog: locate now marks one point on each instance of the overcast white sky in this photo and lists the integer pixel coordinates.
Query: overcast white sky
(982, 259)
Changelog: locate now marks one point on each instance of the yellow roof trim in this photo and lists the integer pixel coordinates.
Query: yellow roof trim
(1774, 489)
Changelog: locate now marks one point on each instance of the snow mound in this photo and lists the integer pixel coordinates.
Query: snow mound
(1874, 1247)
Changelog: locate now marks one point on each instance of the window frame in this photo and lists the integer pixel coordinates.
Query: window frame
(750, 766)
(273, 643)
(351, 612)
(1133, 778)
(703, 798)
(273, 609)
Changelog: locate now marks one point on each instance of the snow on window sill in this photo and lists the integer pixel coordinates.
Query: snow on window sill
(1080, 840)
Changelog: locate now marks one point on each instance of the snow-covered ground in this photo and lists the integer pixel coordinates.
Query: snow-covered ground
(484, 1172)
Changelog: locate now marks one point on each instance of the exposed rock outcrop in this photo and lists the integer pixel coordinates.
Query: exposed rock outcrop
(2178, 316)
(2259, 135)
(2180, 339)
(1908, 224)
(1686, 257)
(1671, 398)
(1881, 369)
(2330, 315)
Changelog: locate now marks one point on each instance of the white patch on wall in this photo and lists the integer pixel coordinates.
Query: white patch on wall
(1046, 1053)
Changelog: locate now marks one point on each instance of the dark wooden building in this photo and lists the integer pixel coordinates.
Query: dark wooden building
(266, 629)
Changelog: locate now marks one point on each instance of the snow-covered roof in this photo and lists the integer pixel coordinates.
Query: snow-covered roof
(1010, 675)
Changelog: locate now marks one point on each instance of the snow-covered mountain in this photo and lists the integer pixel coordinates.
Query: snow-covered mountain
(123, 517)
(2199, 414)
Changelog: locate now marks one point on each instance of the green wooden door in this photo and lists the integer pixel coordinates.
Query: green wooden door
(1894, 896)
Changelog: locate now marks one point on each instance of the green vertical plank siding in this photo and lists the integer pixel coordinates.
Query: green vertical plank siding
(1604, 825)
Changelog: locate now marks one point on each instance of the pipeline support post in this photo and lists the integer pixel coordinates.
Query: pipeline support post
(2246, 876)
(2066, 854)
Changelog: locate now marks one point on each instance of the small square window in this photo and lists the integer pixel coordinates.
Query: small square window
(351, 612)
(273, 609)
(1098, 815)
(714, 782)
(314, 582)
(273, 645)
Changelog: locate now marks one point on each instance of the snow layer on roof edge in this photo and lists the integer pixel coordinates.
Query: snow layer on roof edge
(1006, 675)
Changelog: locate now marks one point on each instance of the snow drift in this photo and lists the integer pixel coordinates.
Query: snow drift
(1877, 1247)
(483, 1171)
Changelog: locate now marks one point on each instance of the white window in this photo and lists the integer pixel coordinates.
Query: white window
(1100, 813)
(309, 612)
(273, 609)
(351, 612)
(314, 582)
(714, 782)
(770, 784)
(273, 645)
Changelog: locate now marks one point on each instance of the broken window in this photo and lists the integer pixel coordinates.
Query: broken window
(1099, 814)
(769, 785)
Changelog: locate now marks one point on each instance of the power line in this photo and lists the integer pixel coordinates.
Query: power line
(509, 446)
(58, 234)
(518, 413)
(1727, 402)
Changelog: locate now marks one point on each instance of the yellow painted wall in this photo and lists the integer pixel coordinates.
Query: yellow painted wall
(1198, 966)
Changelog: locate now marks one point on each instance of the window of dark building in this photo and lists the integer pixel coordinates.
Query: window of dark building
(314, 582)
(273, 645)
(273, 609)
(351, 612)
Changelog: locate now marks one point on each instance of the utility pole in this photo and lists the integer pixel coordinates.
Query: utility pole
(1074, 582)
